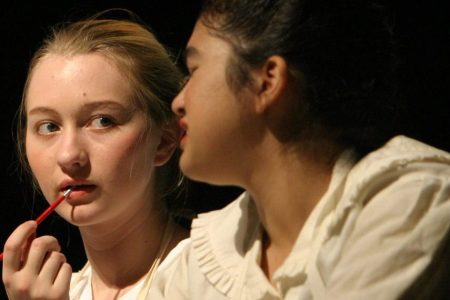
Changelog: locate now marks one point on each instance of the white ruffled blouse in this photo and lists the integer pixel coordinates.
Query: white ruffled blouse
(372, 233)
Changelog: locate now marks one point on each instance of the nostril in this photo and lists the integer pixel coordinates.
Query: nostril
(180, 111)
(72, 158)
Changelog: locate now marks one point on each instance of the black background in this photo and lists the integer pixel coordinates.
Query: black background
(422, 31)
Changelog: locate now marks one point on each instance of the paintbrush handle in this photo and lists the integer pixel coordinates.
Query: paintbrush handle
(48, 211)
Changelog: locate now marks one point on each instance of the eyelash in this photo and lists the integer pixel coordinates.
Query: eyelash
(42, 127)
(184, 81)
(186, 78)
(110, 120)
(192, 70)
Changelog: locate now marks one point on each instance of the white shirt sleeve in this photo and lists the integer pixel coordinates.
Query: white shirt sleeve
(393, 236)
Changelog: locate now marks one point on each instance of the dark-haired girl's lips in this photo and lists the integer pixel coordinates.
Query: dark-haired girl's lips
(183, 124)
(183, 139)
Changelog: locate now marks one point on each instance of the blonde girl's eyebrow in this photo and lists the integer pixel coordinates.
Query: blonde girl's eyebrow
(41, 110)
(106, 104)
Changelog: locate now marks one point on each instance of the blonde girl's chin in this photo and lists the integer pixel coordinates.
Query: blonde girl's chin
(79, 215)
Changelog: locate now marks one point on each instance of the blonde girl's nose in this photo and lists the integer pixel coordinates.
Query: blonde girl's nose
(71, 151)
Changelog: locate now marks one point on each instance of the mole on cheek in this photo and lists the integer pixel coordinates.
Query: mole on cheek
(84, 94)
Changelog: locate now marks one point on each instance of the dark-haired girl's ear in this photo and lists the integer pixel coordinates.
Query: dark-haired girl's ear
(167, 144)
(270, 82)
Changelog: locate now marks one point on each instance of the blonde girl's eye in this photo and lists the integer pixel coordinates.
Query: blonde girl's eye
(102, 122)
(47, 128)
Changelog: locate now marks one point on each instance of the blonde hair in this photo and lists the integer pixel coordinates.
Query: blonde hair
(142, 60)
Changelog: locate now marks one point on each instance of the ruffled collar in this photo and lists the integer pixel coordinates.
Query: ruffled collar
(226, 241)
(220, 239)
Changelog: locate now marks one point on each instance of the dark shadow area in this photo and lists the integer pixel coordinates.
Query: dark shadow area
(423, 37)
(433, 282)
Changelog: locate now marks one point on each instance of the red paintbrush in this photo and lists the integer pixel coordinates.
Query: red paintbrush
(49, 210)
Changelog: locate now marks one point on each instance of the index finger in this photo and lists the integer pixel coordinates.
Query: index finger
(15, 245)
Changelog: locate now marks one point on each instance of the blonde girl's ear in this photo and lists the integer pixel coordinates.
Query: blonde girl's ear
(167, 144)
(271, 81)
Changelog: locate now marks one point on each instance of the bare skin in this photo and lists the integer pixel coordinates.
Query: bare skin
(97, 141)
(244, 141)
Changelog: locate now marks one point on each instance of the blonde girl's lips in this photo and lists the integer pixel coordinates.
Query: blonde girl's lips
(81, 194)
